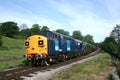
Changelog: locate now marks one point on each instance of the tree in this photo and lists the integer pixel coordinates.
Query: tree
(26, 32)
(61, 31)
(77, 35)
(23, 27)
(35, 29)
(88, 38)
(10, 29)
(44, 28)
(116, 33)
(109, 45)
(0, 30)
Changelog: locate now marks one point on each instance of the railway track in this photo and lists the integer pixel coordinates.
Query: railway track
(16, 74)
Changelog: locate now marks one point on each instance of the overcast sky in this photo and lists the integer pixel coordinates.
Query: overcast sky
(95, 17)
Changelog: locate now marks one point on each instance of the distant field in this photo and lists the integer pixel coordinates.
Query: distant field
(95, 69)
(11, 52)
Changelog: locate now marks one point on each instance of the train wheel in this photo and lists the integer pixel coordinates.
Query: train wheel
(61, 57)
(51, 60)
(44, 63)
(64, 57)
(79, 54)
(32, 63)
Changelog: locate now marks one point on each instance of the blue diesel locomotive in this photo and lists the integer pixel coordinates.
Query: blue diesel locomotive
(51, 47)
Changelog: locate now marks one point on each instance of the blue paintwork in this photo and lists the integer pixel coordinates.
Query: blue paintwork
(58, 43)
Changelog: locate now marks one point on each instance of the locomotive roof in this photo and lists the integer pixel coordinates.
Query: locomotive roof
(54, 32)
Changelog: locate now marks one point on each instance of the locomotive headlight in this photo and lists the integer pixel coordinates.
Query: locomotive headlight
(40, 42)
(39, 56)
(26, 43)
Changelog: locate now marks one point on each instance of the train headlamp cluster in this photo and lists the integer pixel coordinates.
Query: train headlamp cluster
(39, 56)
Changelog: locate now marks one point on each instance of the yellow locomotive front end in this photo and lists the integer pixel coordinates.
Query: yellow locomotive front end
(36, 48)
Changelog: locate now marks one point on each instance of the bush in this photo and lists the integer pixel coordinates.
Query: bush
(109, 45)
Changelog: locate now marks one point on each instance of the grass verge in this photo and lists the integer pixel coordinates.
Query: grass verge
(11, 53)
(95, 69)
(10, 64)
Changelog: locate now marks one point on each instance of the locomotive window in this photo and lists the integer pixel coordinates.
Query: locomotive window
(81, 45)
(40, 42)
(68, 45)
(55, 36)
(26, 43)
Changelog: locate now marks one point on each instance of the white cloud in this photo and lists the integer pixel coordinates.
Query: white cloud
(83, 18)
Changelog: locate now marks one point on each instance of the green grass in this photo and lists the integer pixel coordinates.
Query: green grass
(11, 48)
(94, 69)
(10, 64)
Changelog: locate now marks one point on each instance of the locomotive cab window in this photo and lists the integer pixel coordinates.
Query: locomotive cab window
(26, 43)
(80, 45)
(40, 42)
(55, 36)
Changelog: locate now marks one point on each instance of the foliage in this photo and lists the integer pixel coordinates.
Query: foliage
(61, 31)
(10, 29)
(88, 48)
(44, 28)
(88, 38)
(77, 35)
(26, 32)
(112, 44)
(109, 45)
(23, 30)
(0, 30)
(116, 33)
(35, 29)
(23, 27)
